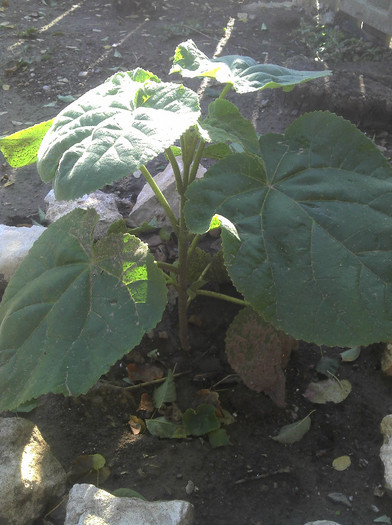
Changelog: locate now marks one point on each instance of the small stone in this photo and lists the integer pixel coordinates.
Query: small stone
(190, 487)
(338, 497)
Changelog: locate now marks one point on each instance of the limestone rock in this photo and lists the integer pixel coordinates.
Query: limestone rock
(14, 245)
(322, 522)
(386, 452)
(147, 206)
(31, 478)
(103, 203)
(89, 505)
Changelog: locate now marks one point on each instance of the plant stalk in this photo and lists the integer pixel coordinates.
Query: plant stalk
(161, 198)
(222, 296)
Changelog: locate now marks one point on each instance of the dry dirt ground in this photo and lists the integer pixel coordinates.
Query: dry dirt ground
(51, 49)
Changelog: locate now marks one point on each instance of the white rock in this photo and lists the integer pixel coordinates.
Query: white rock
(31, 478)
(88, 505)
(103, 203)
(14, 245)
(147, 205)
(322, 522)
(386, 452)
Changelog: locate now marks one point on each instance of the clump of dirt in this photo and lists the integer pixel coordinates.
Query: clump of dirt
(55, 50)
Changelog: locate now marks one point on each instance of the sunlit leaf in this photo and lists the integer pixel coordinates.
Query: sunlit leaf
(351, 354)
(341, 463)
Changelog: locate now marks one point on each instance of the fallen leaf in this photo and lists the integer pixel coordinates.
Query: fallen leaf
(88, 468)
(145, 373)
(351, 354)
(341, 463)
(146, 404)
(127, 493)
(259, 353)
(329, 390)
(136, 425)
(200, 421)
(294, 432)
(382, 519)
(166, 392)
(218, 438)
(6, 87)
(205, 396)
(161, 427)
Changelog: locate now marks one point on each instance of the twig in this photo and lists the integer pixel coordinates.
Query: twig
(141, 385)
(284, 470)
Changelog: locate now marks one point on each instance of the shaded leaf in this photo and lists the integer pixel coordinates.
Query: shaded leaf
(200, 421)
(306, 230)
(244, 73)
(161, 427)
(166, 392)
(136, 425)
(259, 353)
(327, 366)
(145, 373)
(351, 354)
(205, 396)
(21, 148)
(294, 432)
(127, 493)
(112, 130)
(88, 468)
(218, 438)
(329, 390)
(146, 405)
(82, 305)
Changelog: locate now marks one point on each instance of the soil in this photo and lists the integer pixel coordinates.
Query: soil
(58, 48)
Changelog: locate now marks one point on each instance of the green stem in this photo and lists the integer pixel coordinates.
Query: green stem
(167, 267)
(183, 278)
(196, 161)
(225, 90)
(194, 243)
(176, 169)
(161, 198)
(222, 296)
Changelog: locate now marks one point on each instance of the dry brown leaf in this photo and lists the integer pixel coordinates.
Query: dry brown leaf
(145, 373)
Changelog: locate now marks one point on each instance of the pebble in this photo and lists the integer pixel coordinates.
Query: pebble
(338, 497)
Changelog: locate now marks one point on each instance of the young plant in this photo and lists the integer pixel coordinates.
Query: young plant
(305, 218)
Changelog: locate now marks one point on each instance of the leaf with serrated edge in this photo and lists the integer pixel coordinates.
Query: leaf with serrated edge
(112, 130)
(244, 73)
(82, 306)
(307, 230)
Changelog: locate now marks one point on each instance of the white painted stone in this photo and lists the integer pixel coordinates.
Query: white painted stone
(31, 478)
(386, 452)
(147, 205)
(322, 522)
(103, 203)
(14, 245)
(88, 505)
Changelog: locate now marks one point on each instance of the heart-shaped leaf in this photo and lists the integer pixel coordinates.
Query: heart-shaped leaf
(161, 427)
(244, 73)
(200, 421)
(307, 230)
(73, 308)
(112, 130)
(259, 353)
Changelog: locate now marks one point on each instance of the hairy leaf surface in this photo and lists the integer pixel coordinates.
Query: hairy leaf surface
(244, 73)
(73, 308)
(112, 130)
(307, 230)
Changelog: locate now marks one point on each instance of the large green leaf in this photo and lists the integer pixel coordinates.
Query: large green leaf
(21, 148)
(244, 73)
(73, 308)
(224, 123)
(112, 130)
(307, 232)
